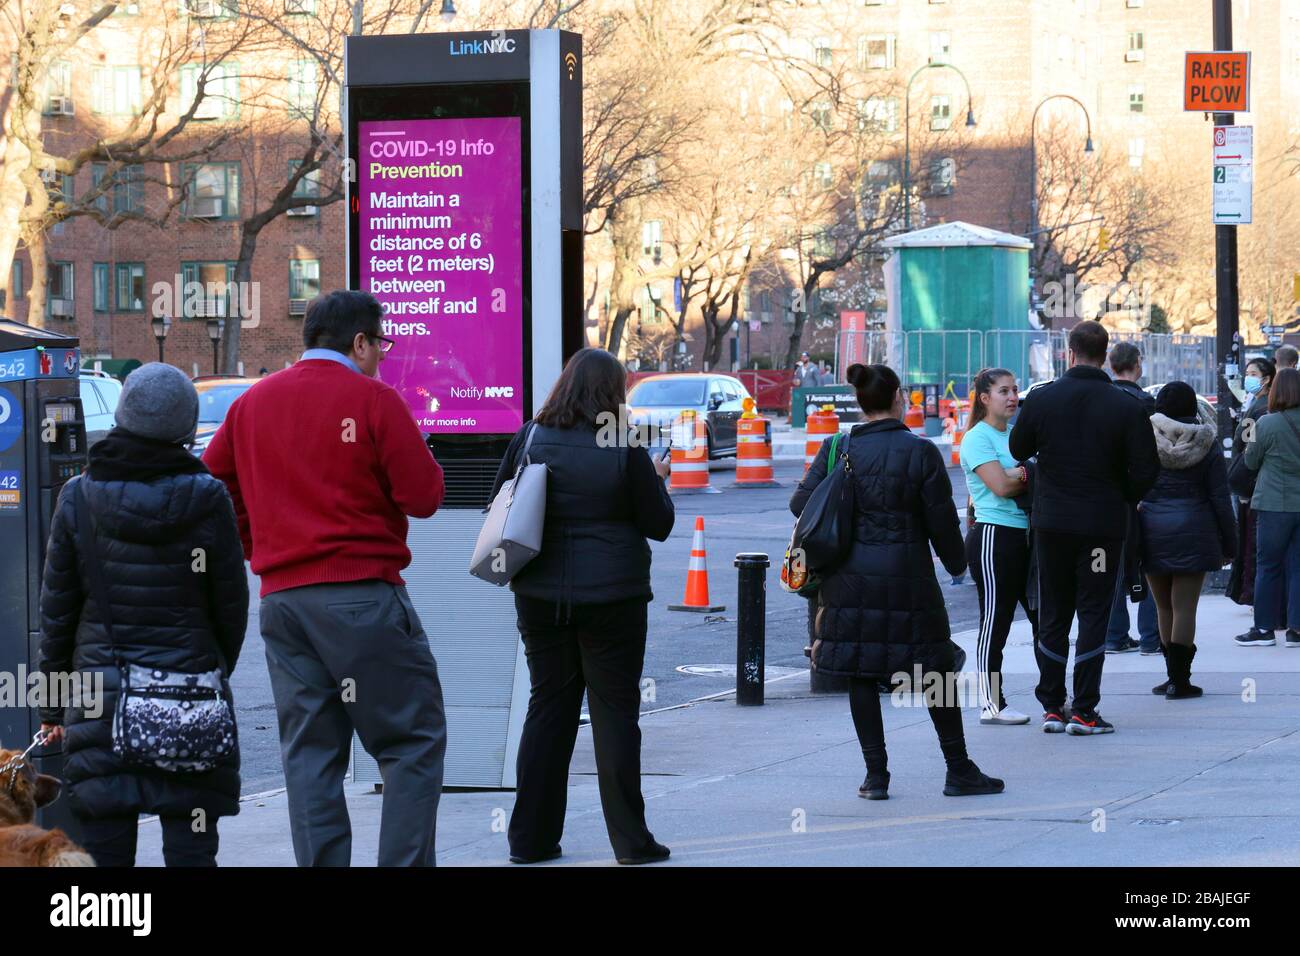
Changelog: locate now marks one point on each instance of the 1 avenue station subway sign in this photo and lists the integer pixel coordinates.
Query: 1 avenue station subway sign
(1217, 82)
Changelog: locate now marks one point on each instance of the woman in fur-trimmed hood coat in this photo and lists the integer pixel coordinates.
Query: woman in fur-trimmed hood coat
(1186, 518)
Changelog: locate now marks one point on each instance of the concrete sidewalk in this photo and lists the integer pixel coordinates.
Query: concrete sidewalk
(1214, 781)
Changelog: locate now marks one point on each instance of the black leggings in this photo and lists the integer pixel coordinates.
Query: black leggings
(999, 565)
(111, 840)
(864, 705)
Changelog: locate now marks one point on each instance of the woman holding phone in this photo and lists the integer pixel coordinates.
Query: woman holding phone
(997, 544)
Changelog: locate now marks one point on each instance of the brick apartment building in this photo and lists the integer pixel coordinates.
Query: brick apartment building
(1123, 59)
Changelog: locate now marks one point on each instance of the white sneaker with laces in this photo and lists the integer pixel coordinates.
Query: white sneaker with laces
(1005, 716)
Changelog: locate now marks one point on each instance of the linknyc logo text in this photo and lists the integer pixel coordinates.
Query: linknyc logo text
(479, 47)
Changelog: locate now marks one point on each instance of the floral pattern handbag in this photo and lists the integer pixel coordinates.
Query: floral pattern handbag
(168, 720)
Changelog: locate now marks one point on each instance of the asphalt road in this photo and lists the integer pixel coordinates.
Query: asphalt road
(735, 521)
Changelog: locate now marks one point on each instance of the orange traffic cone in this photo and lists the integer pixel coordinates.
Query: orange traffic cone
(697, 577)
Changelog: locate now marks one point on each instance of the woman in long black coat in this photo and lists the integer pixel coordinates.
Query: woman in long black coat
(1187, 528)
(173, 568)
(881, 613)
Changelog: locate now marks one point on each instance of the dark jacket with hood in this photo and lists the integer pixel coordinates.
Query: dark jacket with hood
(602, 503)
(1186, 517)
(882, 611)
(172, 609)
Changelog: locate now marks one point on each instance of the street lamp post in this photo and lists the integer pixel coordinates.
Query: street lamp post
(214, 333)
(907, 132)
(1033, 170)
(162, 324)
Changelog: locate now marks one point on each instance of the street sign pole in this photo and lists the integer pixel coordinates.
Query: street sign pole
(1227, 339)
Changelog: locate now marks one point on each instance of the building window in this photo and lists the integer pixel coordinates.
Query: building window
(787, 114)
(307, 188)
(302, 89)
(209, 298)
(940, 113)
(1136, 98)
(97, 173)
(943, 176)
(211, 191)
(130, 287)
(127, 10)
(823, 55)
(822, 116)
(58, 89)
(940, 47)
(649, 305)
(304, 278)
(299, 6)
(823, 176)
(220, 91)
(209, 9)
(59, 292)
(115, 90)
(1136, 149)
(823, 243)
(652, 239)
(128, 191)
(1136, 46)
(17, 283)
(99, 286)
(882, 173)
(876, 52)
(878, 114)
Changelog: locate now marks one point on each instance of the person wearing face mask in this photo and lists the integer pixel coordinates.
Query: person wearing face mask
(1241, 582)
(997, 544)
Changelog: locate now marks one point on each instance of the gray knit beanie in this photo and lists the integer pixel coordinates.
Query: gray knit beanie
(159, 401)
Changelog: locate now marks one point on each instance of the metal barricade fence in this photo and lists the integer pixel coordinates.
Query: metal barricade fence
(1033, 355)
(1175, 358)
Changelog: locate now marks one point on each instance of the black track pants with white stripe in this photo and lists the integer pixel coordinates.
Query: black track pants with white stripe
(999, 564)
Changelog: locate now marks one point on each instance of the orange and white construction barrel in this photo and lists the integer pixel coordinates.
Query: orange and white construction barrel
(690, 455)
(821, 425)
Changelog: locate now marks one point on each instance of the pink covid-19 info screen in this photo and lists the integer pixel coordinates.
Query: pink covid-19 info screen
(440, 237)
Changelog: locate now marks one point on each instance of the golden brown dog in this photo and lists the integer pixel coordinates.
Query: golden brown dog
(22, 843)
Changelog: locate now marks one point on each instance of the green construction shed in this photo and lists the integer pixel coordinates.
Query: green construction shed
(958, 299)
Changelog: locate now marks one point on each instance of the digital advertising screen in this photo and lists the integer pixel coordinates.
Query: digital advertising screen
(440, 245)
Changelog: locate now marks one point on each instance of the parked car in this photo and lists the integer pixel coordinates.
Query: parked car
(216, 394)
(99, 394)
(658, 400)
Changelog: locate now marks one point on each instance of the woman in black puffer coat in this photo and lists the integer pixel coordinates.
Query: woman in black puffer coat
(174, 608)
(1187, 528)
(881, 612)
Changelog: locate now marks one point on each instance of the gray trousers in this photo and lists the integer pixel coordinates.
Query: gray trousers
(346, 656)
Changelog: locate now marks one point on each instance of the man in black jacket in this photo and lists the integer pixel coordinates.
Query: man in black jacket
(1126, 364)
(1096, 458)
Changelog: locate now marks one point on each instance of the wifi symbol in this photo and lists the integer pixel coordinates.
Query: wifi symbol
(571, 61)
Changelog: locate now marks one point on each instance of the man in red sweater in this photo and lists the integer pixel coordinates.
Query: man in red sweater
(324, 462)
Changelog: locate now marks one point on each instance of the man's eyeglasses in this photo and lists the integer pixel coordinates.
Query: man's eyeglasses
(382, 343)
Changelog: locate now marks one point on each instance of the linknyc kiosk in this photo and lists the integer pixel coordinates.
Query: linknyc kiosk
(42, 445)
(465, 222)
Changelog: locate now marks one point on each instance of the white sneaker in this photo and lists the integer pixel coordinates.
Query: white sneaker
(1007, 716)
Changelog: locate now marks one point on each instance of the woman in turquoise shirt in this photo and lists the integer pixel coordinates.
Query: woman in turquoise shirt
(997, 544)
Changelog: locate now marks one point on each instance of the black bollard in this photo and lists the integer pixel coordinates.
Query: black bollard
(751, 621)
